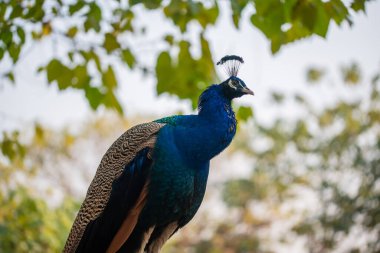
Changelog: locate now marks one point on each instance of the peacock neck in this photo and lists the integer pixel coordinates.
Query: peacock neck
(213, 104)
(219, 125)
(203, 136)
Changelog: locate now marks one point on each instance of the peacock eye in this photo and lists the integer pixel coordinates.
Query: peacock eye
(233, 84)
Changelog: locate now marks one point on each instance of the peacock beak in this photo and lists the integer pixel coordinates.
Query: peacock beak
(248, 91)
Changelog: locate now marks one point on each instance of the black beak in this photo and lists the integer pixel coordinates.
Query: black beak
(247, 91)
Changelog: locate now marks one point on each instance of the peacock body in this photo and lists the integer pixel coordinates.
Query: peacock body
(152, 180)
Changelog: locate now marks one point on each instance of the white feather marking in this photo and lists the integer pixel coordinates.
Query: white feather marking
(230, 83)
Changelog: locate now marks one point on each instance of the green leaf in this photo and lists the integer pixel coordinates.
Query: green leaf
(80, 79)
(244, 113)
(307, 12)
(46, 29)
(206, 62)
(17, 11)
(35, 12)
(182, 13)
(152, 4)
(94, 96)
(109, 79)
(14, 51)
(358, 5)
(76, 7)
(269, 17)
(94, 16)
(10, 76)
(289, 6)
(296, 32)
(351, 74)
(126, 22)
(21, 34)
(72, 31)
(322, 21)
(163, 71)
(1, 53)
(11, 146)
(313, 17)
(169, 39)
(96, 59)
(112, 102)
(277, 42)
(92, 55)
(128, 57)
(6, 36)
(337, 10)
(206, 16)
(172, 75)
(237, 8)
(110, 42)
(178, 13)
(149, 4)
(58, 72)
(3, 9)
(314, 75)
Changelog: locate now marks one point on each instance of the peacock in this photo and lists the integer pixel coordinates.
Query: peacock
(152, 179)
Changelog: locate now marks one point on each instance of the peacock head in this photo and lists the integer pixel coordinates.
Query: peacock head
(233, 87)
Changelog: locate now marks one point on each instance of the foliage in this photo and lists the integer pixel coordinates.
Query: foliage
(36, 169)
(173, 77)
(27, 224)
(97, 34)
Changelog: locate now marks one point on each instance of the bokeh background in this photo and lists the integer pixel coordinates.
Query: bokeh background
(302, 174)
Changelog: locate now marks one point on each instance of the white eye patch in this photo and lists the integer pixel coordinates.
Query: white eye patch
(230, 83)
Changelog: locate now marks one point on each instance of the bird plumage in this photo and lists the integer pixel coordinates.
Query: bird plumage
(152, 180)
(121, 152)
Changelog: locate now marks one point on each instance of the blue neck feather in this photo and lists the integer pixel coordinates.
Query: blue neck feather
(212, 102)
(203, 136)
(220, 127)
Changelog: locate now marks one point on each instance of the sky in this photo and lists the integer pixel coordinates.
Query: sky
(33, 100)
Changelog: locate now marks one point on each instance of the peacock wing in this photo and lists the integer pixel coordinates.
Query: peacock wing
(127, 159)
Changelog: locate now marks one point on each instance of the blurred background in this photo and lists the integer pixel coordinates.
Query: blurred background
(302, 174)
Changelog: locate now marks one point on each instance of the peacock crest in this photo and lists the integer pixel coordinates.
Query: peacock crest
(231, 64)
